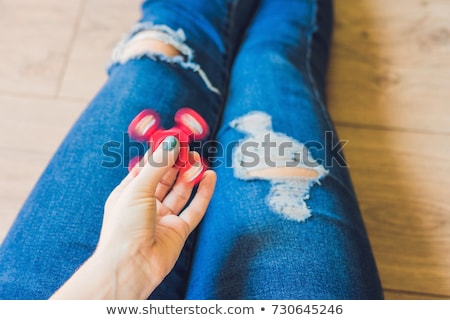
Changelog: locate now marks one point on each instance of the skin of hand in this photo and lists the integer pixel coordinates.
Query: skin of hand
(143, 230)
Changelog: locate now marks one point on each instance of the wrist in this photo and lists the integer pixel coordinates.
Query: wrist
(108, 276)
(127, 280)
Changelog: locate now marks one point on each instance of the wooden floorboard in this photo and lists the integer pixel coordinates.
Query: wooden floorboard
(35, 42)
(401, 179)
(405, 295)
(95, 38)
(390, 65)
(387, 91)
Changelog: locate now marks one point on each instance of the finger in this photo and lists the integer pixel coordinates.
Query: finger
(158, 164)
(194, 169)
(166, 183)
(194, 213)
(134, 171)
(176, 199)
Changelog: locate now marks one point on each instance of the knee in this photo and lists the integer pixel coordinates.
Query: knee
(152, 42)
(160, 43)
(139, 47)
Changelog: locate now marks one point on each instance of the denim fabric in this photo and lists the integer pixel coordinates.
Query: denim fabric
(245, 250)
(268, 56)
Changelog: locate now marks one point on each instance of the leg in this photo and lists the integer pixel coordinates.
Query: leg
(59, 224)
(285, 223)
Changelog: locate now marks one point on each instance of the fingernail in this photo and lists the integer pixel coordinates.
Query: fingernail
(169, 143)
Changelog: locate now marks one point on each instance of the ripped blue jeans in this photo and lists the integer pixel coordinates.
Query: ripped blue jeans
(284, 222)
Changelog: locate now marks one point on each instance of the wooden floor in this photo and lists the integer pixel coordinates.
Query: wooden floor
(389, 94)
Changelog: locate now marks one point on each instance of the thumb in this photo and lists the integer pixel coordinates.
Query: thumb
(157, 165)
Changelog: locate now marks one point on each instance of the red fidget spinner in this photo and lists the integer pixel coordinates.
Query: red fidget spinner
(189, 126)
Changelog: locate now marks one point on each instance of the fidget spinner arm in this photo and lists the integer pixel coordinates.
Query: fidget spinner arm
(189, 126)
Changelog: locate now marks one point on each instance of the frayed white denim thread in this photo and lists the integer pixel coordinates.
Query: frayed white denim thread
(287, 195)
(176, 39)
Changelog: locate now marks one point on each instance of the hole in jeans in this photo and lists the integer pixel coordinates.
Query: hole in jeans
(140, 45)
(273, 156)
(159, 43)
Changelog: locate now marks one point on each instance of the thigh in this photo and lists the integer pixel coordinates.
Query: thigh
(59, 224)
(284, 222)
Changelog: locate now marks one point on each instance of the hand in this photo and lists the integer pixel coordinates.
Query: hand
(143, 230)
